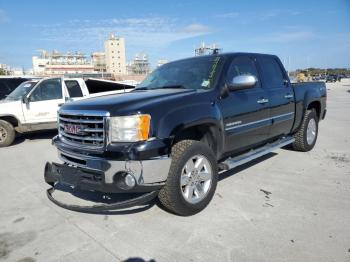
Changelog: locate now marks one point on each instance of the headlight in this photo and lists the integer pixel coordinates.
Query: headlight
(130, 128)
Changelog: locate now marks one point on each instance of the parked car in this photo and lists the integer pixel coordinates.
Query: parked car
(331, 78)
(186, 122)
(9, 83)
(33, 104)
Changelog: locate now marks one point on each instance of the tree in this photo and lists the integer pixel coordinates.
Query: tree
(2, 72)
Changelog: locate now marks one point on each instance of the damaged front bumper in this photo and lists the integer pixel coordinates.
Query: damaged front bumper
(95, 173)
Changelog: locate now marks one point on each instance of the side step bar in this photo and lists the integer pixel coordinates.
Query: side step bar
(233, 162)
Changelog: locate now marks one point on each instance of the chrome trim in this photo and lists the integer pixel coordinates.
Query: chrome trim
(144, 171)
(83, 112)
(87, 138)
(101, 136)
(263, 101)
(288, 96)
(256, 153)
(259, 121)
(81, 120)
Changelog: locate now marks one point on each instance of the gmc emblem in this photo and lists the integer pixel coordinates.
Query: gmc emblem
(72, 129)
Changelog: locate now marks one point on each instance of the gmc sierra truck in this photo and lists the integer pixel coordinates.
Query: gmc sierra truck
(185, 123)
(33, 105)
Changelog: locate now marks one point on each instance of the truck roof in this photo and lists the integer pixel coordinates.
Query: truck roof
(229, 54)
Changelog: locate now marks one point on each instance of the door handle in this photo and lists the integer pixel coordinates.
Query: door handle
(289, 96)
(262, 101)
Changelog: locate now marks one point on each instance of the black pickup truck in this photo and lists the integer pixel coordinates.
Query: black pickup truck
(185, 123)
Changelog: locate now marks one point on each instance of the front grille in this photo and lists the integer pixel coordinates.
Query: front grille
(82, 129)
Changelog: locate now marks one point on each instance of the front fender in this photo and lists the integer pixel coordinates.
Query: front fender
(184, 117)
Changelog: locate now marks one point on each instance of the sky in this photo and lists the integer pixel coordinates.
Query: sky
(309, 33)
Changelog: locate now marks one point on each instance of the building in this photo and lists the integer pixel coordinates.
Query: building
(99, 61)
(4, 69)
(56, 63)
(115, 55)
(139, 65)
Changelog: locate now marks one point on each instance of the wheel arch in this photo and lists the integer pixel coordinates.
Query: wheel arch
(11, 119)
(315, 105)
(208, 133)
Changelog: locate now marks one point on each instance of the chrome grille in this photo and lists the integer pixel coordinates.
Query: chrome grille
(83, 129)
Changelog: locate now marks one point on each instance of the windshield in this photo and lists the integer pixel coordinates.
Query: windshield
(20, 91)
(194, 73)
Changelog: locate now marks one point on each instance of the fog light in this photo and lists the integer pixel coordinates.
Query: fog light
(129, 180)
(124, 180)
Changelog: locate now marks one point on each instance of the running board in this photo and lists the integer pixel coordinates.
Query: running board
(233, 162)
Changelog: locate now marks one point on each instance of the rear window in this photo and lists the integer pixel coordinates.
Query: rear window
(271, 72)
(7, 85)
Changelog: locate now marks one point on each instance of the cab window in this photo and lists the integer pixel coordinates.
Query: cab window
(242, 65)
(271, 72)
(49, 89)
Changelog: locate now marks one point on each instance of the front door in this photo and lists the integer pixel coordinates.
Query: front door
(280, 93)
(43, 102)
(246, 111)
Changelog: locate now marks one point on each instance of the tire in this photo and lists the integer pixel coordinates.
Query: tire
(7, 133)
(302, 143)
(199, 193)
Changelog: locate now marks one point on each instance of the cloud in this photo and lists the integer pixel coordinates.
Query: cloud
(285, 37)
(140, 33)
(260, 16)
(3, 17)
(197, 29)
(227, 15)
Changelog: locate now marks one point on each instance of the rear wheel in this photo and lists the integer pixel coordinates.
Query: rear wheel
(7, 133)
(305, 138)
(192, 178)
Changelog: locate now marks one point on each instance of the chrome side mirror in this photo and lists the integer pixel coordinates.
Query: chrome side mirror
(242, 82)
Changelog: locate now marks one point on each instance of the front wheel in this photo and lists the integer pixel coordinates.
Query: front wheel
(7, 133)
(192, 178)
(305, 138)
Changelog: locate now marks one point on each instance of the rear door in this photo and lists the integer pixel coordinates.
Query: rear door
(280, 93)
(246, 111)
(44, 102)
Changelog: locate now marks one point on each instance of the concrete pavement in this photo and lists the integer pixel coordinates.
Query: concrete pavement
(287, 206)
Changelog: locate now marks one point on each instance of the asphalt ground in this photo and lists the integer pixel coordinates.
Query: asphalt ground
(286, 206)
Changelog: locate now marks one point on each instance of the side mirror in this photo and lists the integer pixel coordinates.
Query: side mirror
(26, 100)
(242, 82)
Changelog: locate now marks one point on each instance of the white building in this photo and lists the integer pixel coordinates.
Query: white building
(99, 61)
(57, 63)
(115, 55)
(139, 65)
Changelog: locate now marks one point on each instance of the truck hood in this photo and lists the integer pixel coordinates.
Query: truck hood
(129, 103)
